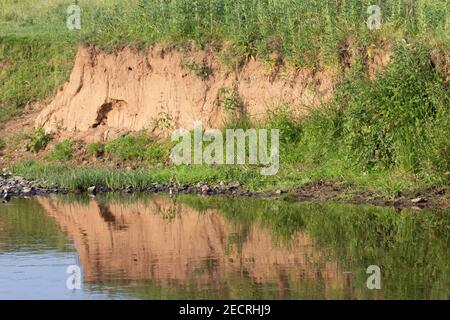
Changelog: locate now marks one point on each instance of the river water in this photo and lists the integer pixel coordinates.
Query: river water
(190, 247)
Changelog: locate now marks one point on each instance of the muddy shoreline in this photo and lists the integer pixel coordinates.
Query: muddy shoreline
(435, 198)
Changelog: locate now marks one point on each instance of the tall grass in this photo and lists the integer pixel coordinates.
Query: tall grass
(301, 29)
(397, 122)
(33, 68)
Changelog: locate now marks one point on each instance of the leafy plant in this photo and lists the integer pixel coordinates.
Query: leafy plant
(39, 140)
(61, 151)
(138, 147)
(163, 122)
(203, 71)
(96, 149)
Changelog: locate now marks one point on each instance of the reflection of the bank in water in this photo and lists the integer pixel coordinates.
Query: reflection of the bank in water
(165, 241)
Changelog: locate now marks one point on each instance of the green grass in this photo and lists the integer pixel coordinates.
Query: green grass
(138, 147)
(96, 149)
(257, 26)
(61, 151)
(39, 140)
(384, 184)
(35, 67)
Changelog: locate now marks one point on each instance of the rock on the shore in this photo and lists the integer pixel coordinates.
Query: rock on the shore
(6, 198)
(15, 186)
(418, 200)
(92, 190)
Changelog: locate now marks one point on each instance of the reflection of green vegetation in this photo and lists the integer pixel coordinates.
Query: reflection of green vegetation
(27, 228)
(410, 247)
(234, 286)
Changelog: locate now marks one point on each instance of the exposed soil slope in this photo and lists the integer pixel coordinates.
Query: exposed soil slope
(112, 93)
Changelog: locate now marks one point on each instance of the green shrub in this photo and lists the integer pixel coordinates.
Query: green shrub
(61, 151)
(230, 100)
(401, 120)
(390, 122)
(290, 126)
(96, 149)
(128, 147)
(138, 147)
(291, 131)
(39, 140)
(157, 153)
(202, 71)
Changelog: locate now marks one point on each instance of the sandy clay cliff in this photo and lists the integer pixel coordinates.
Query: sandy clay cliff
(109, 94)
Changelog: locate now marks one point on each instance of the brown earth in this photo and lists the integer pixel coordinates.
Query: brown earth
(110, 94)
(434, 198)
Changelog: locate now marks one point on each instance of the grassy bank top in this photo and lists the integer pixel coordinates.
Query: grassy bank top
(302, 30)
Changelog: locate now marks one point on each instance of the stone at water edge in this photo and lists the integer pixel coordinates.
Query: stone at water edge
(27, 190)
(92, 190)
(204, 189)
(234, 185)
(418, 200)
(6, 198)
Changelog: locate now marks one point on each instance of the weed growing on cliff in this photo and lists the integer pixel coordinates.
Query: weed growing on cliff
(163, 122)
(96, 149)
(39, 140)
(229, 99)
(202, 71)
(61, 152)
(139, 147)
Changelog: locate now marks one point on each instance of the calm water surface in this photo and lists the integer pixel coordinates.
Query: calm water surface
(156, 247)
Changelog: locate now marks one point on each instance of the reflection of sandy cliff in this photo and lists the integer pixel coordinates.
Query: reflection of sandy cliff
(169, 242)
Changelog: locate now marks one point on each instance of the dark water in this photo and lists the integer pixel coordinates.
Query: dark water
(157, 247)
